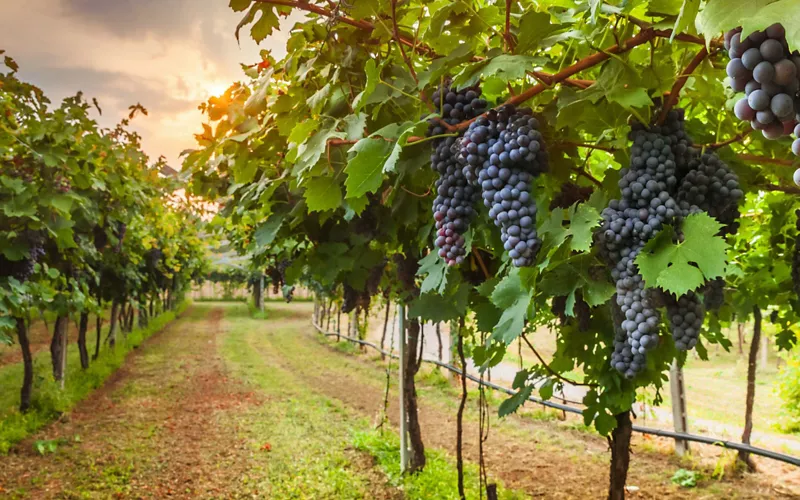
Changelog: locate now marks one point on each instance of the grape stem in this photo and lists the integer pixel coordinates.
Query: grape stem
(782, 189)
(735, 138)
(675, 93)
(550, 370)
(765, 159)
(396, 35)
(507, 33)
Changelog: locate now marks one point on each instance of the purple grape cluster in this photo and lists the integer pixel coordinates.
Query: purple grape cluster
(686, 316)
(667, 180)
(453, 208)
(24, 268)
(713, 187)
(502, 152)
(646, 205)
(762, 67)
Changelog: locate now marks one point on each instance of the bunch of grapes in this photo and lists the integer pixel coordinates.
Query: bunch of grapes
(762, 67)
(277, 274)
(503, 151)
(350, 298)
(19, 169)
(714, 294)
(23, 269)
(62, 184)
(711, 186)
(453, 208)
(686, 315)
(374, 278)
(667, 180)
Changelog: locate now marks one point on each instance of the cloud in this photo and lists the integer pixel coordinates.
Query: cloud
(169, 55)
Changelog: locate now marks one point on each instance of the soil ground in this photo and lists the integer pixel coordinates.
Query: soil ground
(220, 405)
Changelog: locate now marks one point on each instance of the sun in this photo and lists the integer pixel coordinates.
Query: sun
(216, 88)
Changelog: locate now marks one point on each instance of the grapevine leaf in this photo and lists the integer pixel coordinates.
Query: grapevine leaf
(365, 170)
(786, 12)
(583, 219)
(505, 67)
(686, 17)
(373, 77)
(354, 126)
(239, 5)
(322, 193)
(268, 22)
(630, 98)
(441, 66)
(440, 308)
(308, 154)
(416, 129)
(435, 271)
(681, 267)
(512, 404)
(533, 28)
(513, 300)
(266, 233)
(721, 15)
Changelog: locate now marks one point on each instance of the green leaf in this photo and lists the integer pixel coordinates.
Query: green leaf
(505, 67)
(239, 5)
(322, 193)
(786, 12)
(318, 99)
(61, 202)
(630, 98)
(533, 28)
(679, 268)
(373, 77)
(354, 126)
(435, 271)
(442, 65)
(512, 404)
(686, 17)
(266, 233)
(416, 129)
(365, 170)
(440, 308)
(512, 298)
(722, 15)
(265, 24)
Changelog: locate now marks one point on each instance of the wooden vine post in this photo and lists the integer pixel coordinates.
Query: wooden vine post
(678, 393)
(401, 327)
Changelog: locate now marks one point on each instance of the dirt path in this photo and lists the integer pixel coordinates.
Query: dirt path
(150, 429)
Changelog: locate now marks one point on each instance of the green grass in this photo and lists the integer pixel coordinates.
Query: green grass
(439, 479)
(48, 400)
(316, 441)
(307, 434)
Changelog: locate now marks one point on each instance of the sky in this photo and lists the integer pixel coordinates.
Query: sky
(168, 55)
